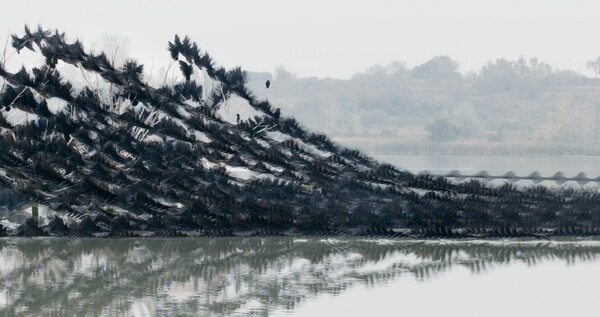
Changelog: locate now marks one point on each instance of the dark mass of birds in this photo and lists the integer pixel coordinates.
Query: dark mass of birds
(164, 163)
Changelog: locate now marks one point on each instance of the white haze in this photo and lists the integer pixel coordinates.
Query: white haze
(332, 38)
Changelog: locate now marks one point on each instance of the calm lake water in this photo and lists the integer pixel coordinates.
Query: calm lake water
(312, 276)
(298, 277)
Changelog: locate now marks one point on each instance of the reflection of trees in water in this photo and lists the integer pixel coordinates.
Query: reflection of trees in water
(220, 276)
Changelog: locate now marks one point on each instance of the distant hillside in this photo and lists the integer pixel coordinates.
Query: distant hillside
(509, 107)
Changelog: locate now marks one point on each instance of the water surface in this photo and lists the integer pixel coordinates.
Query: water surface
(297, 277)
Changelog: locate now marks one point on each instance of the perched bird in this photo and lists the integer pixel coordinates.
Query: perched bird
(186, 69)
(238, 118)
(268, 83)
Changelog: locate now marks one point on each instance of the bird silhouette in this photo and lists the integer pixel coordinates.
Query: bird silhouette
(268, 83)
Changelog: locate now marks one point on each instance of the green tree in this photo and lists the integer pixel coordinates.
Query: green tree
(442, 128)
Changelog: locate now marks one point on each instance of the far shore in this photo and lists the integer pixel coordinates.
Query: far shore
(382, 146)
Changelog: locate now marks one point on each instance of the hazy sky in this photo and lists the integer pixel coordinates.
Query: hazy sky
(332, 38)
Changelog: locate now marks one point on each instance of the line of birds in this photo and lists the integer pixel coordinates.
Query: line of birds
(559, 177)
(146, 166)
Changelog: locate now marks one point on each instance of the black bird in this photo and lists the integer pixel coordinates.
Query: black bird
(238, 118)
(268, 83)
(186, 69)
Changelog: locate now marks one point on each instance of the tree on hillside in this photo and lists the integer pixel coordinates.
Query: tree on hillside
(281, 74)
(595, 66)
(525, 76)
(439, 67)
(442, 128)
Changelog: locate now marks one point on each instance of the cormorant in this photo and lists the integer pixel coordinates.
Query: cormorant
(268, 83)
(186, 69)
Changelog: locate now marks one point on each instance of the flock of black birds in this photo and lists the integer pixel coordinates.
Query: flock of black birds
(162, 162)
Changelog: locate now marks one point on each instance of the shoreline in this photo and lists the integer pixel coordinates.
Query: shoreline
(387, 146)
(394, 233)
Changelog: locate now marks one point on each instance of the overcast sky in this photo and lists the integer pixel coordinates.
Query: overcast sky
(332, 38)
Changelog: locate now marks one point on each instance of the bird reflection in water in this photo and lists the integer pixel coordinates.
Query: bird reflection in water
(230, 276)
